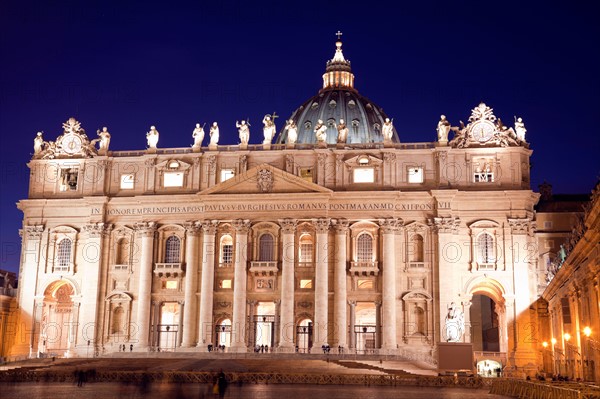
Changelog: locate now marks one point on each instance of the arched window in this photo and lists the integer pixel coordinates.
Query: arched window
(485, 244)
(416, 250)
(266, 248)
(117, 321)
(63, 254)
(172, 249)
(226, 249)
(364, 248)
(306, 249)
(123, 252)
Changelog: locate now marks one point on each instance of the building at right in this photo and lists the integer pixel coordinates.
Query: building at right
(569, 307)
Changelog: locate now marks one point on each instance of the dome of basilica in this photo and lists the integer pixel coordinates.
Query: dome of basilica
(338, 102)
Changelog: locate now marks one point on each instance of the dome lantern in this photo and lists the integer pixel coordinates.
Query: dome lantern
(338, 74)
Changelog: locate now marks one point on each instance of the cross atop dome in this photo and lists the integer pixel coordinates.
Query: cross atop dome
(339, 34)
(338, 73)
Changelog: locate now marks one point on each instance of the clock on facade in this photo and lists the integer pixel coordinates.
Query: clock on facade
(71, 143)
(482, 131)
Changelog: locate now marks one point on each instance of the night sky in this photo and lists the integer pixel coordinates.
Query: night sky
(129, 66)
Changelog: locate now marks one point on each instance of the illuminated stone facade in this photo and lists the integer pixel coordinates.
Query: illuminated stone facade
(337, 234)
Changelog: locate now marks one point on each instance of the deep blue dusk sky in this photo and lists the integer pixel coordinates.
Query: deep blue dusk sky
(172, 65)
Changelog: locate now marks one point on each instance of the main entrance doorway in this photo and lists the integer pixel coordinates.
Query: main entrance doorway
(264, 325)
(168, 328)
(304, 336)
(484, 321)
(57, 319)
(365, 327)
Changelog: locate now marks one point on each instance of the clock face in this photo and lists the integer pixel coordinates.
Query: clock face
(71, 144)
(482, 131)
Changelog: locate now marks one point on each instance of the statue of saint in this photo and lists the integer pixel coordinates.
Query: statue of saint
(268, 129)
(214, 134)
(244, 132)
(443, 128)
(105, 139)
(152, 137)
(388, 130)
(454, 323)
(38, 143)
(520, 129)
(342, 132)
(198, 135)
(292, 132)
(321, 131)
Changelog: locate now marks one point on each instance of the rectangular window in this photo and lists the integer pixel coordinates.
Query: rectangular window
(483, 177)
(547, 225)
(307, 174)
(366, 284)
(415, 174)
(226, 284)
(127, 181)
(364, 175)
(306, 284)
(68, 179)
(227, 174)
(227, 253)
(173, 179)
(170, 285)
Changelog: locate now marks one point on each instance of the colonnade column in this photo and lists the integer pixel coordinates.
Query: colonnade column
(286, 325)
(92, 256)
(340, 289)
(238, 343)
(190, 321)
(146, 232)
(205, 326)
(352, 322)
(320, 329)
(389, 228)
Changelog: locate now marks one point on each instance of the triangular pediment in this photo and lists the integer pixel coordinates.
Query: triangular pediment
(265, 179)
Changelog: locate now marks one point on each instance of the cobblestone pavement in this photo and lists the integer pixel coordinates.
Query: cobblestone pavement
(258, 391)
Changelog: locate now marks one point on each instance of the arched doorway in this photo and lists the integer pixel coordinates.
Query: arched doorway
(168, 328)
(365, 327)
(264, 325)
(485, 327)
(57, 319)
(223, 332)
(304, 335)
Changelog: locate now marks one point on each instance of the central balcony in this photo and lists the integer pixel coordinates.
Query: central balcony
(168, 269)
(364, 268)
(264, 268)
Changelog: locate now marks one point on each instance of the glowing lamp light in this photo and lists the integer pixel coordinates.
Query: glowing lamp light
(567, 336)
(545, 344)
(553, 340)
(587, 331)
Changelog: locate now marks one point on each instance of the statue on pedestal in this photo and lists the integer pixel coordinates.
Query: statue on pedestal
(38, 144)
(321, 131)
(152, 137)
(214, 134)
(105, 140)
(198, 135)
(292, 132)
(455, 324)
(244, 132)
(520, 129)
(342, 132)
(443, 128)
(269, 128)
(388, 130)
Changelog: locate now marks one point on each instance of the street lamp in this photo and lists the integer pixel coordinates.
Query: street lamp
(587, 331)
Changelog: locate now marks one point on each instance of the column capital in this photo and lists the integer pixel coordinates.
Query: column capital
(241, 225)
(391, 225)
(520, 226)
(145, 229)
(447, 225)
(340, 225)
(288, 226)
(96, 230)
(33, 232)
(321, 225)
(351, 303)
(193, 228)
(209, 226)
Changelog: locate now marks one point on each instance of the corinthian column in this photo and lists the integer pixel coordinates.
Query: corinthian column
(239, 285)
(191, 284)
(321, 284)
(209, 227)
(340, 290)
(286, 326)
(146, 232)
(389, 228)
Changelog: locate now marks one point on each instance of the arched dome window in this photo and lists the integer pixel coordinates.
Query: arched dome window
(266, 248)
